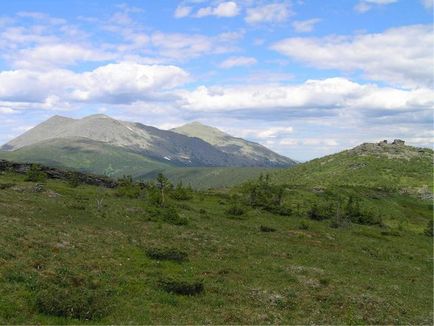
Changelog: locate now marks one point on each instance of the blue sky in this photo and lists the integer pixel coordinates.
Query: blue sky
(305, 78)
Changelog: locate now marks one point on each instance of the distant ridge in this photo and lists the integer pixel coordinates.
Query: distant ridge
(194, 145)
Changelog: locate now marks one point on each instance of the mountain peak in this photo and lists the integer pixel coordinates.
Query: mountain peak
(97, 116)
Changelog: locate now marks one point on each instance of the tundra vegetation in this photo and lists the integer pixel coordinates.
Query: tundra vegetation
(329, 251)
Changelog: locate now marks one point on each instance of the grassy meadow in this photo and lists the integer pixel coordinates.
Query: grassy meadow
(80, 254)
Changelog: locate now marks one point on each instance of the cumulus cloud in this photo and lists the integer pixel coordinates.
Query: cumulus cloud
(365, 5)
(57, 55)
(224, 9)
(401, 55)
(114, 83)
(270, 13)
(305, 26)
(238, 61)
(332, 93)
(182, 11)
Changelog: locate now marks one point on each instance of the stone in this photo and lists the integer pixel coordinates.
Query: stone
(398, 142)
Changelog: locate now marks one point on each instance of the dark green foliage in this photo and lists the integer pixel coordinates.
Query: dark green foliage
(429, 229)
(319, 213)
(265, 228)
(4, 186)
(35, 174)
(262, 194)
(351, 212)
(127, 188)
(355, 214)
(304, 226)
(171, 216)
(74, 179)
(167, 254)
(163, 185)
(181, 193)
(179, 286)
(235, 210)
(72, 296)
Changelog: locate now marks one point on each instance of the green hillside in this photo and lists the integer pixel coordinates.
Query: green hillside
(369, 165)
(258, 254)
(85, 155)
(96, 157)
(205, 178)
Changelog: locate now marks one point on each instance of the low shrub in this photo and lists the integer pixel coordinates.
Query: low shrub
(171, 216)
(35, 174)
(182, 287)
(71, 296)
(171, 254)
(264, 228)
(318, 213)
(181, 193)
(304, 226)
(279, 210)
(74, 179)
(235, 210)
(4, 186)
(127, 188)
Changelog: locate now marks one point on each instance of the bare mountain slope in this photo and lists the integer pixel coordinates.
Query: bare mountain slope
(168, 146)
(234, 146)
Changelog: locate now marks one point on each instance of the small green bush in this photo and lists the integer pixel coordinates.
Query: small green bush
(181, 193)
(304, 226)
(235, 210)
(74, 179)
(35, 174)
(318, 213)
(4, 186)
(264, 228)
(279, 210)
(71, 296)
(167, 254)
(127, 188)
(182, 287)
(171, 216)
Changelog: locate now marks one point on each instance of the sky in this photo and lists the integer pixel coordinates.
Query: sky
(305, 78)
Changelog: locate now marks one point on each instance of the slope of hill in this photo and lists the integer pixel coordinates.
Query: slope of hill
(235, 146)
(86, 155)
(393, 165)
(90, 255)
(82, 154)
(172, 147)
(206, 178)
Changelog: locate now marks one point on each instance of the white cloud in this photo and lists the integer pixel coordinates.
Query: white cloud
(5, 110)
(305, 26)
(57, 55)
(127, 82)
(270, 13)
(238, 61)
(365, 5)
(186, 46)
(275, 132)
(400, 55)
(332, 93)
(114, 83)
(428, 4)
(224, 9)
(182, 11)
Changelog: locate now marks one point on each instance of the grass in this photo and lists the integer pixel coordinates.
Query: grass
(66, 248)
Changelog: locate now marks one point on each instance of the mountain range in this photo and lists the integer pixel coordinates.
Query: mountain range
(103, 145)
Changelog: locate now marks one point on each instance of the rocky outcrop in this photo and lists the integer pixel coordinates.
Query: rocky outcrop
(54, 173)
